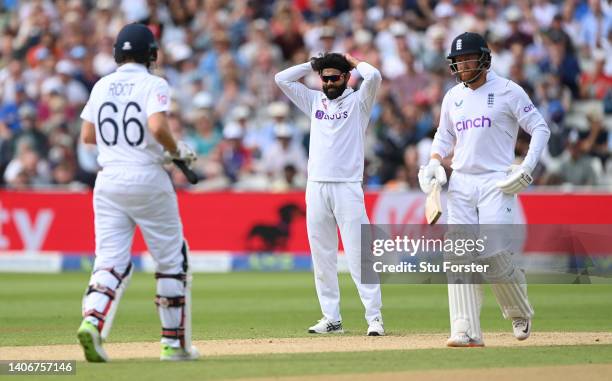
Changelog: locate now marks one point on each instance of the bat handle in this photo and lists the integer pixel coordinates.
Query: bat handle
(189, 174)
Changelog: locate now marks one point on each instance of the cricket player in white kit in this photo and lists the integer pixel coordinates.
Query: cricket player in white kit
(126, 117)
(479, 121)
(334, 196)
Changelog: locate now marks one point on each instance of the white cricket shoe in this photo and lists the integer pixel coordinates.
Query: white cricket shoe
(326, 326)
(169, 353)
(521, 328)
(375, 328)
(462, 340)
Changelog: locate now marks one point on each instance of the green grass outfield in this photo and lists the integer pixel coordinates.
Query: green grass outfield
(45, 309)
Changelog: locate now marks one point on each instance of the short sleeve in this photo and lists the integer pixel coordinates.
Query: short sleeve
(159, 98)
(88, 112)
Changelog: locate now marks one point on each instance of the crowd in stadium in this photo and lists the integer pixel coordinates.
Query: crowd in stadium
(220, 58)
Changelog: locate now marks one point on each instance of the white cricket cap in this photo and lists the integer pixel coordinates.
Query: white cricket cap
(443, 10)
(327, 32)
(52, 85)
(513, 14)
(363, 37)
(282, 130)
(65, 67)
(232, 130)
(278, 109)
(599, 55)
(436, 32)
(179, 52)
(240, 112)
(398, 28)
(203, 99)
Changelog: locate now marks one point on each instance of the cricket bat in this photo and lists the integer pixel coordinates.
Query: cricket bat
(189, 174)
(433, 206)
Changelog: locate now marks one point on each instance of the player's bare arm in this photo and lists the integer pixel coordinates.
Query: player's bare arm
(88, 133)
(158, 125)
(352, 60)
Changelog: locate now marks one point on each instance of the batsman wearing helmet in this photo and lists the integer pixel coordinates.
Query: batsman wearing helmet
(479, 122)
(339, 117)
(126, 118)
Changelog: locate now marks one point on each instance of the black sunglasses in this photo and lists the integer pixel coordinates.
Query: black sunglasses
(333, 78)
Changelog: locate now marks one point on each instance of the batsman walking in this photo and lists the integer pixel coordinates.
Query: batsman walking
(334, 196)
(126, 117)
(479, 121)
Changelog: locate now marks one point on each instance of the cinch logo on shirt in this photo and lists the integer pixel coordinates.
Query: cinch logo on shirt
(528, 108)
(320, 114)
(477, 122)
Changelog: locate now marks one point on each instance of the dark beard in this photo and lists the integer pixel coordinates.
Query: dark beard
(334, 92)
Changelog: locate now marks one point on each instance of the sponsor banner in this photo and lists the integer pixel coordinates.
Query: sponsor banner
(271, 262)
(48, 222)
(33, 263)
(84, 262)
(211, 262)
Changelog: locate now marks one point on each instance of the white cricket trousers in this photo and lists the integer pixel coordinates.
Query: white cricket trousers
(474, 199)
(329, 206)
(143, 196)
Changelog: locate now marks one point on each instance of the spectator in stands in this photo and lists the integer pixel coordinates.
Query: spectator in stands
(578, 167)
(205, 138)
(283, 152)
(27, 167)
(235, 158)
(596, 24)
(596, 83)
(514, 18)
(219, 57)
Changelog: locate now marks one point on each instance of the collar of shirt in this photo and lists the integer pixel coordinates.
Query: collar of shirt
(132, 66)
(491, 76)
(348, 91)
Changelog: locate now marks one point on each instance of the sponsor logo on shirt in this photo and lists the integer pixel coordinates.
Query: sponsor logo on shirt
(478, 122)
(320, 114)
(459, 104)
(528, 108)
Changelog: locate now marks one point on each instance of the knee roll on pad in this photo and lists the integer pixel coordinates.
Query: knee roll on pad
(106, 286)
(502, 269)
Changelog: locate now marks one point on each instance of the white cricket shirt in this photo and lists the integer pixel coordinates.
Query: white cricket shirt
(337, 127)
(119, 106)
(482, 126)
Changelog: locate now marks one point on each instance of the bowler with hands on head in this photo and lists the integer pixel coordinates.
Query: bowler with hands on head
(334, 195)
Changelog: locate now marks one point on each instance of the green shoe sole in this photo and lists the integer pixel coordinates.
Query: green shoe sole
(87, 338)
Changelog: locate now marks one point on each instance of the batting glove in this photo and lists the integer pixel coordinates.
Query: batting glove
(517, 179)
(432, 171)
(183, 153)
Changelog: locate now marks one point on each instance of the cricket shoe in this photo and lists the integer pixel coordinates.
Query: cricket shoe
(462, 340)
(521, 328)
(90, 340)
(169, 353)
(325, 326)
(375, 328)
